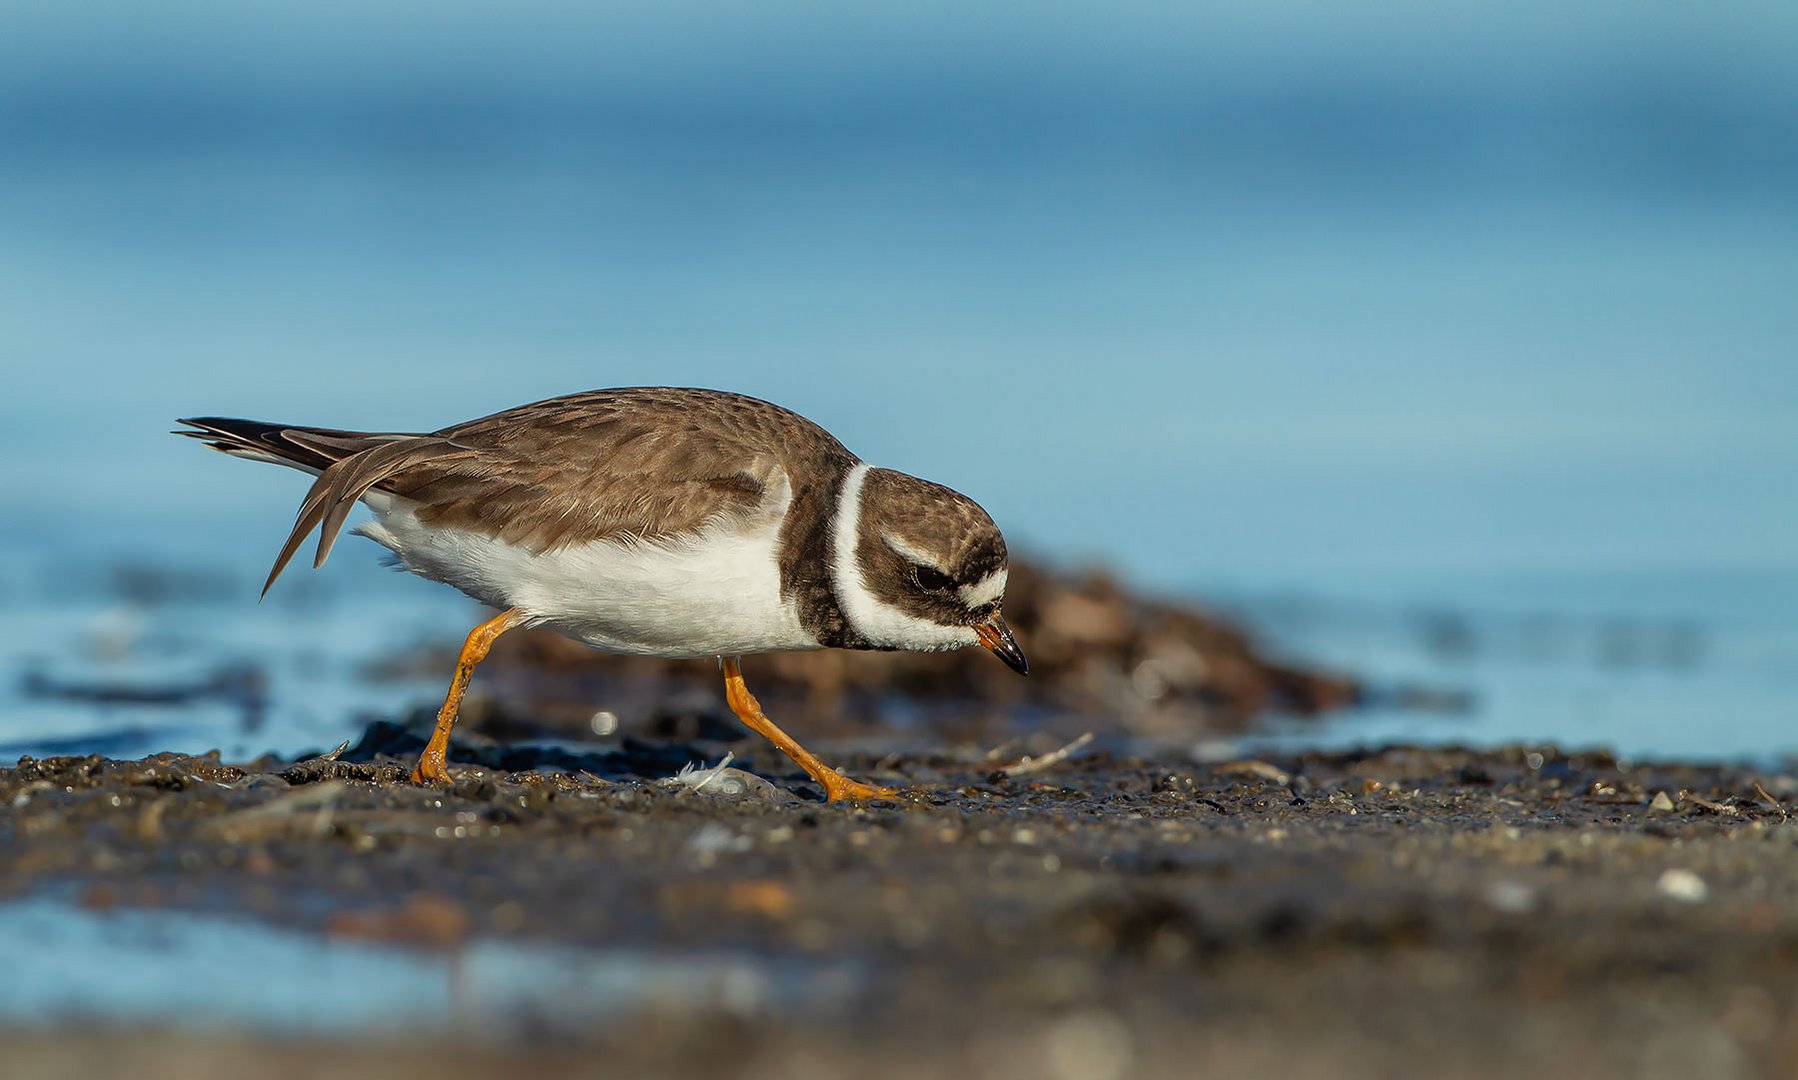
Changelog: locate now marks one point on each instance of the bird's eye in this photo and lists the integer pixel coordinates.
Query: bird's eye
(933, 580)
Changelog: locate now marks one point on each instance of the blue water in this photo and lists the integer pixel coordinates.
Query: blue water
(1392, 310)
(503, 990)
(1648, 665)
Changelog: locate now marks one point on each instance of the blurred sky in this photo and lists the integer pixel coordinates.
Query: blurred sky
(1248, 293)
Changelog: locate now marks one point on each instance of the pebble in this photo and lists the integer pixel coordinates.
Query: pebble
(1511, 897)
(712, 839)
(1682, 885)
(1091, 1045)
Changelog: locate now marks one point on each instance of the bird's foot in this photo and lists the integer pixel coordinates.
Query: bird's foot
(839, 788)
(430, 769)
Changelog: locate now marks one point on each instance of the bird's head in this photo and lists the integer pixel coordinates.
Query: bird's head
(920, 567)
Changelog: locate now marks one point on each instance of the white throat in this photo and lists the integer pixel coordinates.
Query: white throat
(870, 616)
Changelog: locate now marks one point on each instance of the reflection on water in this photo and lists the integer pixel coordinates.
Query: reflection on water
(242, 686)
(69, 965)
(126, 662)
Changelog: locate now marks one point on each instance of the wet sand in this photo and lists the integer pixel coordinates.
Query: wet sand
(1466, 913)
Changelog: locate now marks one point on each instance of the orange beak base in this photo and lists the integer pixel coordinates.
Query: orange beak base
(997, 637)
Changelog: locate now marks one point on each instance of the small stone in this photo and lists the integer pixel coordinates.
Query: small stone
(1661, 803)
(1092, 1045)
(1511, 897)
(1682, 885)
(765, 897)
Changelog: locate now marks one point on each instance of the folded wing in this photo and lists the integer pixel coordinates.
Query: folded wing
(643, 465)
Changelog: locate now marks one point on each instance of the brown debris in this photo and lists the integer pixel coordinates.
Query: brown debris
(424, 921)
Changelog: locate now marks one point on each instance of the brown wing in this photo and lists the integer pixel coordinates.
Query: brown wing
(646, 463)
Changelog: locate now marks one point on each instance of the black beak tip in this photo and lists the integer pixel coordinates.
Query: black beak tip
(1017, 661)
(1013, 656)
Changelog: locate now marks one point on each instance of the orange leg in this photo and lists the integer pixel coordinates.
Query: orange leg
(837, 787)
(430, 763)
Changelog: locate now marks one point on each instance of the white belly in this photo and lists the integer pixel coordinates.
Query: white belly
(715, 593)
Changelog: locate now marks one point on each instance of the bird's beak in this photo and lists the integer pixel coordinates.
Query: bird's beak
(996, 636)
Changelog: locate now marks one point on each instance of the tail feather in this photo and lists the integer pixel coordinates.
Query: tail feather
(314, 449)
(312, 511)
(347, 464)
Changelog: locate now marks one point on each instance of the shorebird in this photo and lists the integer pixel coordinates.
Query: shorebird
(655, 521)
